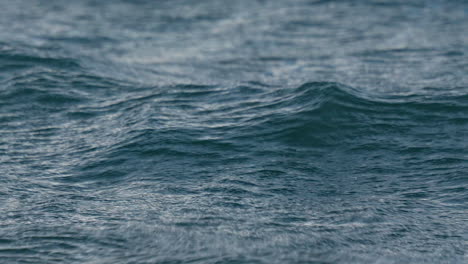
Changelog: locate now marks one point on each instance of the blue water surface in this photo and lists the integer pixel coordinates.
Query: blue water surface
(243, 131)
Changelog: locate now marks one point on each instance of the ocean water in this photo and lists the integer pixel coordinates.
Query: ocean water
(243, 131)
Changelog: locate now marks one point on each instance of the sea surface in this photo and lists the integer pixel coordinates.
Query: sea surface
(242, 131)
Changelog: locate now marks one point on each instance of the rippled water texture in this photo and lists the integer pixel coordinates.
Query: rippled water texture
(233, 131)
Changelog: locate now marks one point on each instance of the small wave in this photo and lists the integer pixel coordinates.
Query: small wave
(320, 114)
(21, 58)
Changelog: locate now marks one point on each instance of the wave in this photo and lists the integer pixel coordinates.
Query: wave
(324, 113)
(115, 127)
(213, 126)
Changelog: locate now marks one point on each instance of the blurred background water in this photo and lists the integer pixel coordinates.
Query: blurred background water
(243, 131)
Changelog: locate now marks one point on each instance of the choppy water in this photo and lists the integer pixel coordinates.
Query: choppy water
(233, 131)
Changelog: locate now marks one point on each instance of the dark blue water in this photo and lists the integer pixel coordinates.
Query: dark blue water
(233, 131)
